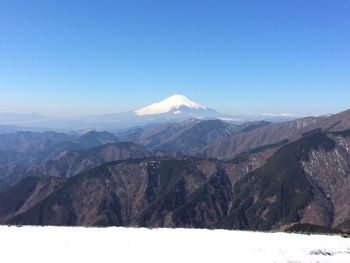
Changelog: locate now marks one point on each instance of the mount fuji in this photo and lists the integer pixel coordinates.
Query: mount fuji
(171, 104)
(177, 107)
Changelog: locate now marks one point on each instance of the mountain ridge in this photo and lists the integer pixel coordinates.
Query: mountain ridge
(201, 193)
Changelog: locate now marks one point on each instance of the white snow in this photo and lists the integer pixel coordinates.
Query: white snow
(171, 103)
(61, 244)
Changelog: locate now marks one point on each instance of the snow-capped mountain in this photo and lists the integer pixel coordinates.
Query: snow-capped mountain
(172, 104)
(176, 108)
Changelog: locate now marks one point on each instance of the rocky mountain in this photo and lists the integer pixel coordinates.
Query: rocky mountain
(94, 138)
(225, 140)
(30, 141)
(42, 154)
(70, 163)
(333, 122)
(303, 183)
(118, 193)
(67, 163)
(188, 137)
(274, 133)
(25, 194)
(59, 154)
(25, 147)
(217, 138)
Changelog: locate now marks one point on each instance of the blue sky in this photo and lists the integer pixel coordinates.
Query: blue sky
(82, 57)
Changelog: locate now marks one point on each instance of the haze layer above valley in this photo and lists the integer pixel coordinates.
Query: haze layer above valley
(175, 108)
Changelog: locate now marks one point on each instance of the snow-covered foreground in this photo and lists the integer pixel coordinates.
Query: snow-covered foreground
(61, 244)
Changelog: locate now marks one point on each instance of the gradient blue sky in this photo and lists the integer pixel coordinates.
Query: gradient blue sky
(80, 57)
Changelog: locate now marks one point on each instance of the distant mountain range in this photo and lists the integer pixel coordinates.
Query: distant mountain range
(175, 108)
(198, 172)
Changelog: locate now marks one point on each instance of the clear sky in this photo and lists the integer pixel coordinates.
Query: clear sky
(77, 57)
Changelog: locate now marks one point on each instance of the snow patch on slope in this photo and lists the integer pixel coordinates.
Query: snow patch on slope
(172, 103)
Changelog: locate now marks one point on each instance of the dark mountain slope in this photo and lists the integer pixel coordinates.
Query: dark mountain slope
(25, 194)
(305, 182)
(192, 140)
(68, 163)
(133, 192)
(93, 139)
(275, 193)
(30, 147)
(208, 205)
(249, 139)
(328, 172)
(273, 133)
(155, 135)
(334, 122)
(30, 142)
(79, 201)
(188, 137)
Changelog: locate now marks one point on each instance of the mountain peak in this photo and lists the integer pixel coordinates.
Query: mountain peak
(172, 103)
